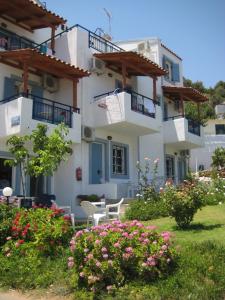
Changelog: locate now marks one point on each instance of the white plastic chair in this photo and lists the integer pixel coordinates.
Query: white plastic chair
(114, 214)
(94, 214)
(67, 210)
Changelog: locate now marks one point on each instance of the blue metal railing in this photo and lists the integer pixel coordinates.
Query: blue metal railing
(95, 41)
(46, 110)
(139, 102)
(194, 127)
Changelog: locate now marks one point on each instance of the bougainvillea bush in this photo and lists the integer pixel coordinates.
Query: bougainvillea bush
(108, 255)
(41, 231)
(7, 214)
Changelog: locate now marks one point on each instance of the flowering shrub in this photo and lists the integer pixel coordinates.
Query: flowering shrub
(44, 231)
(183, 202)
(106, 256)
(7, 214)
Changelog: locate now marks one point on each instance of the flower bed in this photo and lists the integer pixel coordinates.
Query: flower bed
(106, 256)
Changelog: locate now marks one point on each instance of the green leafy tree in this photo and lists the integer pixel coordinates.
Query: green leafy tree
(216, 96)
(47, 152)
(218, 158)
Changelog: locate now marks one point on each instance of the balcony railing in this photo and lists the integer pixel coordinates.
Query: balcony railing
(101, 44)
(194, 127)
(139, 103)
(46, 110)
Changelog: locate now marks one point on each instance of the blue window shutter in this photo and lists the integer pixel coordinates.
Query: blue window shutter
(164, 61)
(37, 91)
(9, 87)
(176, 73)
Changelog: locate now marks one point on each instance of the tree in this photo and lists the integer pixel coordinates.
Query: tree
(218, 158)
(47, 152)
(216, 96)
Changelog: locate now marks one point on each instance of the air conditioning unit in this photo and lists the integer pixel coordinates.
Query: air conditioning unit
(50, 83)
(144, 47)
(185, 152)
(88, 134)
(97, 66)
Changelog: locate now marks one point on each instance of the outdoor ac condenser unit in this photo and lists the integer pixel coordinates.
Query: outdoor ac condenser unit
(88, 134)
(97, 66)
(50, 83)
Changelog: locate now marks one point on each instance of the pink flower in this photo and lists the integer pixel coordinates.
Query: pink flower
(103, 233)
(125, 234)
(109, 288)
(70, 264)
(8, 238)
(151, 261)
(17, 244)
(82, 274)
(168, 260)
(98, 264)
(129, 250)
(164, 247)
(105, 256)
(86, 250)
(97, 242)
(104, 249)
(117, 245)
(166, 236)
(90, 256)
(144, 265)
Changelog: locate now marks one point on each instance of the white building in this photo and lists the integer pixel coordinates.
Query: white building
(214, 131)
(131, 106)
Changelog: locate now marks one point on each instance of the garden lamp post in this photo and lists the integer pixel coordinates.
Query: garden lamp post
(7, 192)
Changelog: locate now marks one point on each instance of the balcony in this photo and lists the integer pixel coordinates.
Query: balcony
(20, 115)
(183, 133)
(10, 41)
(126, 112)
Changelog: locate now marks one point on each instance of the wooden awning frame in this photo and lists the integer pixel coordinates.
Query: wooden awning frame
(186, 93)
(39, 63)
(29, 15)
(32, 61)
(136, 64)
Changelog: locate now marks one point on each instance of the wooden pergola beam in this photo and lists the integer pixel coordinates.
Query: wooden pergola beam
(154, 88)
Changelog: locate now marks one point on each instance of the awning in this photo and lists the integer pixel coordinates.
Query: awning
(136, 64)
(187, 93)
(39, 63)
(28, 14)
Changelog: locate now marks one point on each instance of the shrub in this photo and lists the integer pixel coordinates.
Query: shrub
(146, 210)
(183, 202)
(215, 191)
(7, 214)
(109, 255)
(43, 230)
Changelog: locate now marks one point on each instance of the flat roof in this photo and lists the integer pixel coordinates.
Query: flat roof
(136, 64)
(188, 93)
(41, 63)
(29, 14)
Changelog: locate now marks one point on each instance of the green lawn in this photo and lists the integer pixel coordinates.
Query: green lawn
(208, 225)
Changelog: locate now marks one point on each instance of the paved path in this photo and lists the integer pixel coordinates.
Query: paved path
(14, 295)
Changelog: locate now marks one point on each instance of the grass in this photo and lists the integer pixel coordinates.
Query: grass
(208, 225)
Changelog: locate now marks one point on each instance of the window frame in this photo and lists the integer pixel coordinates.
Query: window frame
(125, 162)
(222, 126)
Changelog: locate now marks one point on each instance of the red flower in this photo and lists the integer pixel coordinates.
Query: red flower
(21, 241)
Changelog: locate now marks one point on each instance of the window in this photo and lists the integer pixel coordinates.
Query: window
(5, 174)
(119, 160)
(172, 68)
(220, 128)
(170, 170)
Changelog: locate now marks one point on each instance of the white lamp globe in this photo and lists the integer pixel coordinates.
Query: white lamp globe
(7, 191)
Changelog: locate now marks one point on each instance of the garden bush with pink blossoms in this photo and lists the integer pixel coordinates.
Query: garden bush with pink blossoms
(109, 255)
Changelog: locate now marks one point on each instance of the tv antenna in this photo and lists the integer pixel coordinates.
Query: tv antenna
(109, 15)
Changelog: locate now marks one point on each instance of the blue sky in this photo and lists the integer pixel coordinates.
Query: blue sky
(194, 29)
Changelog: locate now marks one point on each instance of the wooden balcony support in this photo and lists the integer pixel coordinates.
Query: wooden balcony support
(182, 104)
(53, 29)
(124, 75)
(154, 88)
(75, 82)
(25, 77)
